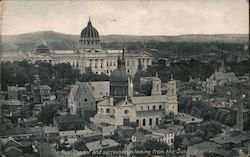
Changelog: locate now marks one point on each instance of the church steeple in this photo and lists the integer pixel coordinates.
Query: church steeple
(89, 23)
(123, 56)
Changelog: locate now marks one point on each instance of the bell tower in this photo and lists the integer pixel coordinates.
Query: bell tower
(156, 85)
(172, 103)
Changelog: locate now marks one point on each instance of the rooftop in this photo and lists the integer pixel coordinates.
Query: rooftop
(163, 131)
(229, 139)
(188, 118)
(148, 99)
(99, 145)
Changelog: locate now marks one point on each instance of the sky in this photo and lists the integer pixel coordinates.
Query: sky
(130, 17)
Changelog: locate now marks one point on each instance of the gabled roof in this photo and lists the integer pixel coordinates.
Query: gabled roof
(105, 102)
(124, 103)
(81, 88)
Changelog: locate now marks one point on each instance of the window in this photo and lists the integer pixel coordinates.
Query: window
(157, 121)
(101, 110)
(126, 111)
(144, 122)
(107, 110)
(160, 107)
(148, 107)
(150, 121)
(141, 108)
(137, 122)
(154, 107)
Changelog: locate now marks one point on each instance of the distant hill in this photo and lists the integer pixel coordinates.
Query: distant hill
(59, 41)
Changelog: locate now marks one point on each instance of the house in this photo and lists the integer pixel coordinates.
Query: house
(125, 131)
(13, 152)
(41, 93)
(70, 122)
(231, 140)
(51, 134)
(105, 128)
(200, 148)
(138, 138)
(168, 136)
(178, 129)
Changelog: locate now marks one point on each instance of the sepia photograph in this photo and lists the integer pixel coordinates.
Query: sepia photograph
(124, 78)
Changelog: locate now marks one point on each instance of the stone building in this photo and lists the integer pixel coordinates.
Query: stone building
(81, 100)
(123, 108)
(89, 54)
(219, 78)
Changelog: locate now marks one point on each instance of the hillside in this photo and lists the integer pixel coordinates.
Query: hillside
(59, 41)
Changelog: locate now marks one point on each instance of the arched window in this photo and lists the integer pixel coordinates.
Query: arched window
(157, 87)
(150, 121)
(137, 122)
(160, 107)
(144, 122)
(107, 110)
(154, 107)
(148, 107)
(101, 110)
(157, 121)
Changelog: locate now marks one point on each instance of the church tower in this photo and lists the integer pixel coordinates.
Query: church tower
(156, 85)
(119, 80)
(172, 103)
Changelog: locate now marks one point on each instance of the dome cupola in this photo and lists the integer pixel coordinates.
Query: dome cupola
(119, 80)
(89, 38)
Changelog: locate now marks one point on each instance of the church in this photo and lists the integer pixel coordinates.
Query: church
(123, 107)
(89, 54)
(219, 78)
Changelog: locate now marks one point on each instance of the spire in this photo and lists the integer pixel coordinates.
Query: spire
(119, 64)
(123, 51)
(123, 57)
(89, 23)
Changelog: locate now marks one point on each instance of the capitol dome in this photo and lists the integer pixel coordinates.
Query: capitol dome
(89, 32)
(89, 38)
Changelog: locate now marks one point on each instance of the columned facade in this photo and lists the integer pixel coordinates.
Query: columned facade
(89, 54)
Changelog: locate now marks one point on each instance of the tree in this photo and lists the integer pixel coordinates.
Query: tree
(195, 112)
(209, 129)
(47, 114)
(151, 145)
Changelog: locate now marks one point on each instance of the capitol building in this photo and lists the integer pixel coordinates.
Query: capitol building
(89, 54)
